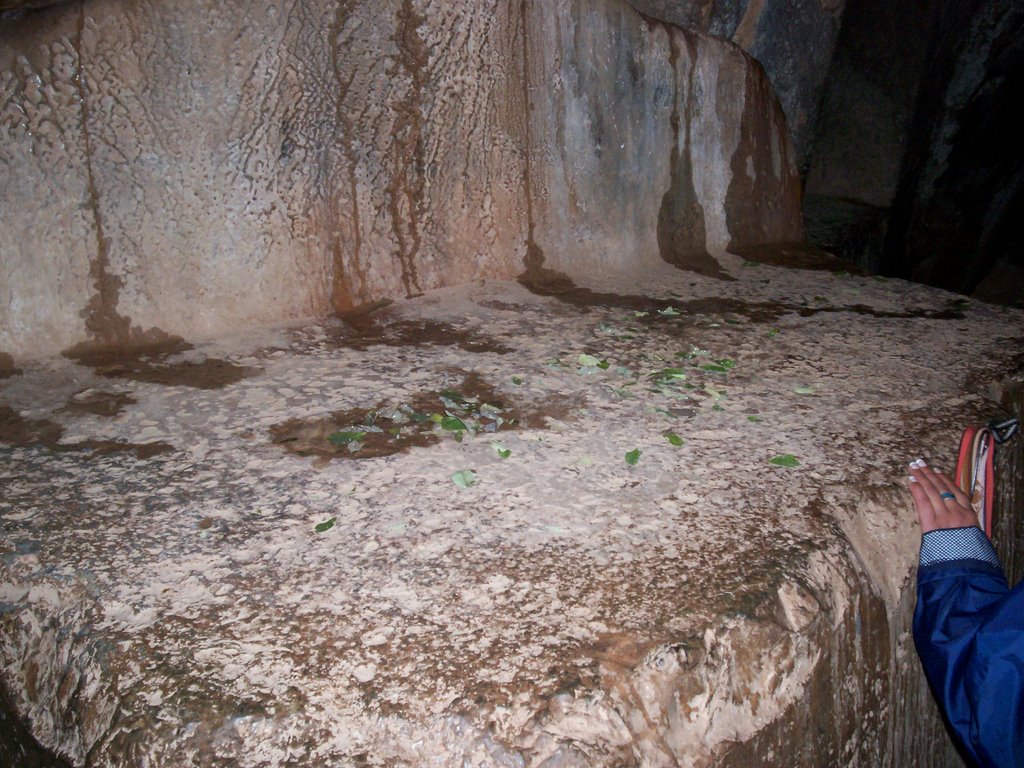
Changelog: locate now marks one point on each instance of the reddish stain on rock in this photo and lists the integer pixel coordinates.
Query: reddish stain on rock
(391, 428)
(20, 432)
(365, 330)
(99, 403)
(7, 367)
(154, 364)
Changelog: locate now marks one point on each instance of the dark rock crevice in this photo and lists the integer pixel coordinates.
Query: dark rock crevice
(915, 170)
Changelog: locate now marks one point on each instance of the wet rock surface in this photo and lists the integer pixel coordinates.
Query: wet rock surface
(699, 551)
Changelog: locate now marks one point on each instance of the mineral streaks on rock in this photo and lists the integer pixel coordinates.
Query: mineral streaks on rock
(637, 138)
(793, 39)
(261, 166)
(285, 160)
(763, 200)
(425, 182)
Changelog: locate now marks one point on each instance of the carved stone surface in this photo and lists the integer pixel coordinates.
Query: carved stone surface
(278, 162)
(167, 599)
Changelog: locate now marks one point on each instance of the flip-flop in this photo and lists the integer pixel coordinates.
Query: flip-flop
(974, 467)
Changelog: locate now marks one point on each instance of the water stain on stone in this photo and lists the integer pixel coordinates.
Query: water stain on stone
(154, 364)
(20, 432)
(795, 256)
(98, 402)
(563, 289)
(566, 291)
(762, 202)
(361, 332)
(470, 408)
(681, 228)
(7, 367)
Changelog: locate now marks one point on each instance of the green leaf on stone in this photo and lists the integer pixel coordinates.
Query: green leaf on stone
(345, 438)
(453, 424)
(588, 361)
(604, 365)
(464, 478)
(717, 407)
(437, 418)
(326, 525)
(773, 333)
(804, 390)
(785, 460)
(669, 374)
(754, 419)
(501, 450)
(714, 368)
(641, 314)
(673, 438)
(695, 351)
(669, 312)
(517, 381)
(632, 457)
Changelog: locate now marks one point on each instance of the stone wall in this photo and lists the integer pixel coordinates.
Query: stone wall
(793, 39)
(282, 161)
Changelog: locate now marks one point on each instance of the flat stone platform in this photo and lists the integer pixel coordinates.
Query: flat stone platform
(655, 521)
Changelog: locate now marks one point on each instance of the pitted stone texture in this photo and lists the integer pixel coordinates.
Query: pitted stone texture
(280, 161)
(702, 607)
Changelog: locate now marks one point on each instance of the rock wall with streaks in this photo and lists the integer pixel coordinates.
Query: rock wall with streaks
(284, 160)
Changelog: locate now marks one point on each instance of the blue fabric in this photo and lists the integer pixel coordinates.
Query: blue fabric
(957, 544)
(969, 632)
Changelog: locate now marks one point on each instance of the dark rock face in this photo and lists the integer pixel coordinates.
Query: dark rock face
(915, 170)
(23, 5)
(717, 17)
(959, 205)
